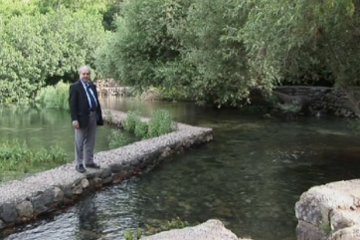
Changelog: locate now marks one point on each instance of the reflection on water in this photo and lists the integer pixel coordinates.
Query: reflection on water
(249, 177)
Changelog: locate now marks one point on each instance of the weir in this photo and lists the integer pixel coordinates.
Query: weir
(29, 198)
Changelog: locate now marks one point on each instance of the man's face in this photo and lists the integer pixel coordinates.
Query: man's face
(85, 75)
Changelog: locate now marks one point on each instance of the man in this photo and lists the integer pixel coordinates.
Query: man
(85, 115)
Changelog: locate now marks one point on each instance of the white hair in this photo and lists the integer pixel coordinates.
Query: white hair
(83, 68)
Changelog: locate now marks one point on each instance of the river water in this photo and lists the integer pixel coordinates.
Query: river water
(249, 177)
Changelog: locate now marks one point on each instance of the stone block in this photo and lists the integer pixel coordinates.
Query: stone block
(43, 201)
(116, 168)
(84, 183)
(350, 233)
(108, 180)
(58, 194)
(105, 173)
(77, 189)
(8, 213)
(307, 231)
(25, 209)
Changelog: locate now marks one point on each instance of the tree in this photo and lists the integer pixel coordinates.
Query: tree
(36, 48)
(304, 41)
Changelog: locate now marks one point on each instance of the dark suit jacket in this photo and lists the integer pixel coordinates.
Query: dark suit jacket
(79, 105)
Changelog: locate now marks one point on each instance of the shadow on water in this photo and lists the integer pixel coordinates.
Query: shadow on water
(250, 177)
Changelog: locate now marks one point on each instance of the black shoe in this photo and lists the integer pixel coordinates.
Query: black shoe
(92, 165)
(80, 168)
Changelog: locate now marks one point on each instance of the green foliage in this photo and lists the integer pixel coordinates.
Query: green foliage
(129, 235)
(175, 223)
(16, 157)
(211, 47)
(141, 45)
(38, 48)
(91, 6)
(54, 96)
(10, 8)
(117, 139)
(212, 51)
(179, 47)
(141, 129)
(160, 123)
(217, 51)
(131, 120)
(304, 41)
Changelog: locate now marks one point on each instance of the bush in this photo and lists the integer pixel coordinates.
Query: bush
(38, 49)
(54, 96)
(141, 129)
(160, 123)
(131, 120)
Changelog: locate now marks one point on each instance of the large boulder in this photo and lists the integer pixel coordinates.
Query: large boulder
(210, 230)
(330, 212)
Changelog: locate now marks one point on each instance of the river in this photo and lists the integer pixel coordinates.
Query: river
(249, 177)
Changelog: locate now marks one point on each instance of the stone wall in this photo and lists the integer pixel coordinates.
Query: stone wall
(329, 212)
(108, 87)
(317, 100)
(43, 193)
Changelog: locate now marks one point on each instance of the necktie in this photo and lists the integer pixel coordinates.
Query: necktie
(91, 96)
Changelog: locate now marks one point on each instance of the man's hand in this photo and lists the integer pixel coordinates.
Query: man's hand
(76, 124)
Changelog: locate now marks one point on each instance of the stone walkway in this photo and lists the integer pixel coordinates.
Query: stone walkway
(25, 199)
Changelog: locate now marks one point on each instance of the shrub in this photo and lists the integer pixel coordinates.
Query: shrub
(131, 121)
(117, 139)
(160, 123)
(54, 96)
(141, 129)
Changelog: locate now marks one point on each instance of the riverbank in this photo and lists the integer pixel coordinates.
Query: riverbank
(30, 198)
(288, 101)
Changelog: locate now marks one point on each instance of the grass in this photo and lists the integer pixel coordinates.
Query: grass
(17, 160)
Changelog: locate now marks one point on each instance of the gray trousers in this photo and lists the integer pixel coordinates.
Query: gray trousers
(85, 141)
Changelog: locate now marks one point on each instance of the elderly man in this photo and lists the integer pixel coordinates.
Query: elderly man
(86, 115)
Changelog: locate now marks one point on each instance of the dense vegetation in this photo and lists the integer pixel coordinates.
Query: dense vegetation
(217, 51)
(213, 51)
(43, 42)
